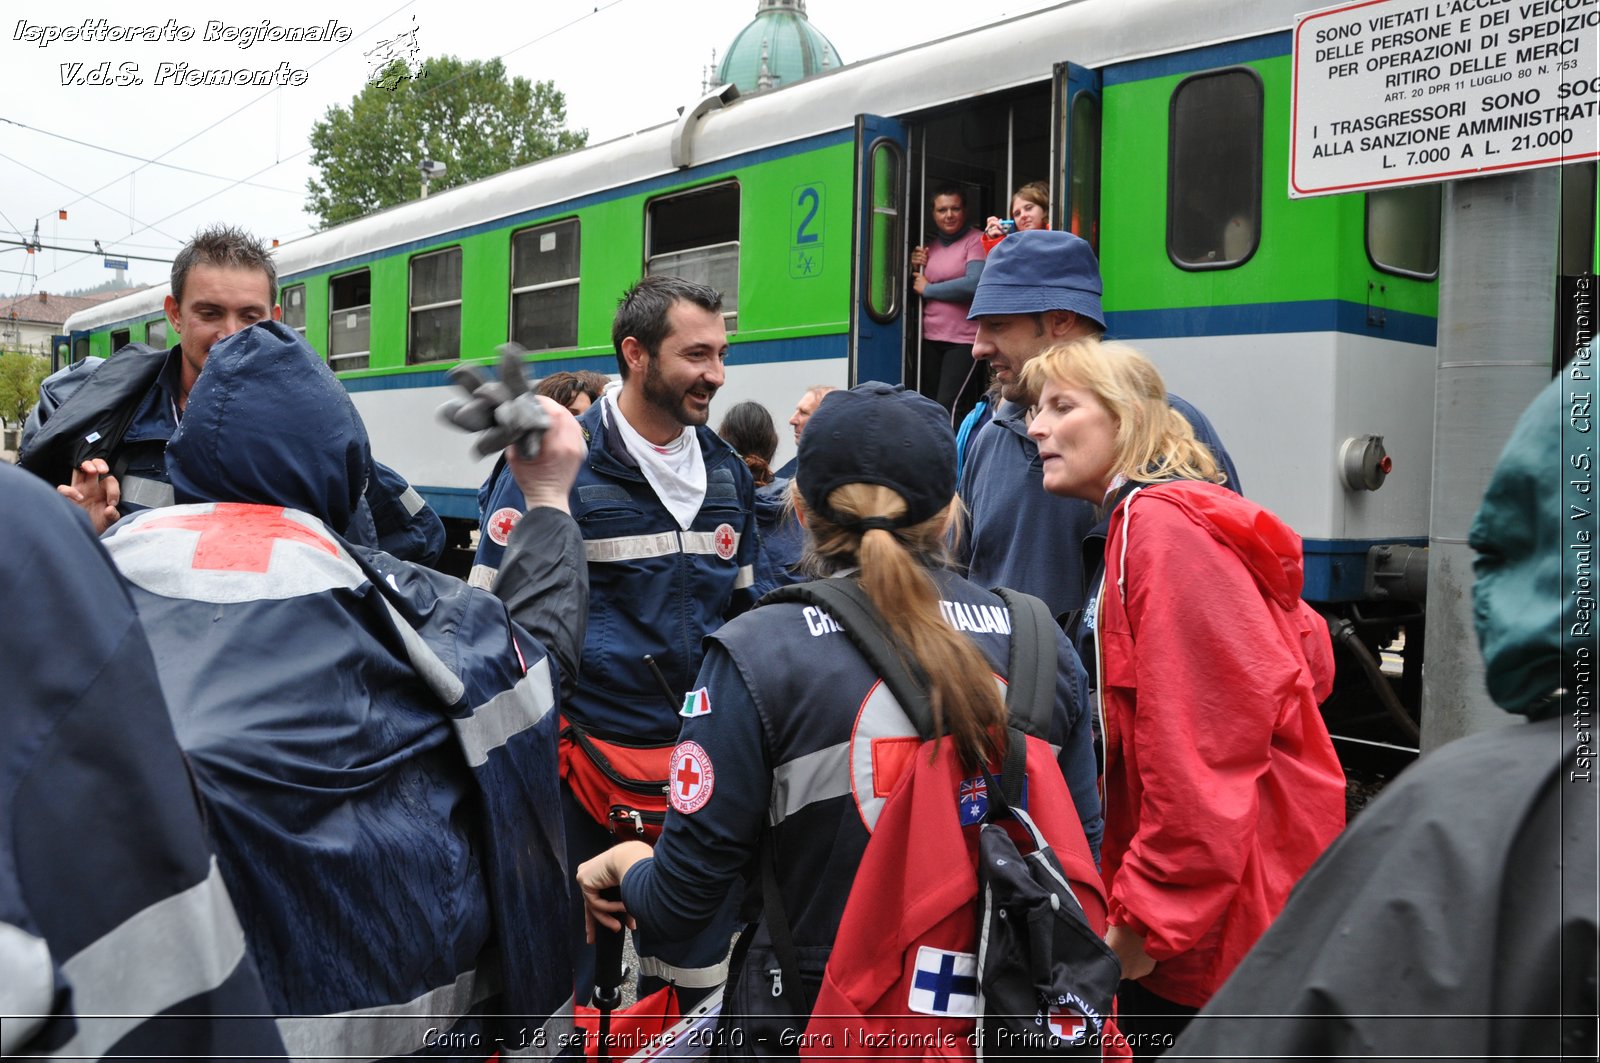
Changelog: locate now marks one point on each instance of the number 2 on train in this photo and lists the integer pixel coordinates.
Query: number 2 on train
(808, 194)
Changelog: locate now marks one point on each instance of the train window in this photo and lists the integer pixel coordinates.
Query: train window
(80, 348)
(120, 338)
(155, 332)
(350, 321)
(435, 307)
(293, 301)
(884, 271)
(1403, 230)
(544, 286)
(1084, 177)
(1214, 169)
(695, 236)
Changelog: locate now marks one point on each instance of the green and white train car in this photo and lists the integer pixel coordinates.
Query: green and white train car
(1162, 129)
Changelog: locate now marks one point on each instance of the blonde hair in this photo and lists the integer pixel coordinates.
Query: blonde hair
(1154, 442)
(961, 687)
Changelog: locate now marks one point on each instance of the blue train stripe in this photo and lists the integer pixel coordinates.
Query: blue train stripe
(1250, 319)
(1255, 319)
(755, 352)
(1186, 62)
(457, 502)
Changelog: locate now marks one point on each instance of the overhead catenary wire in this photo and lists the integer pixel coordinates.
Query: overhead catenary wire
(188, 139)
(82, 196)
(137, 158)
(246, 106)
(596, 10)
(82, 250)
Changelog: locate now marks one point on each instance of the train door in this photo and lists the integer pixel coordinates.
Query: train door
(1075, 146)
(983, 149)
(877, 305)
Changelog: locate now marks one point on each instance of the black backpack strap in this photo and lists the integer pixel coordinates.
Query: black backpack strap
(792, 990)
(1006, 793)
(847, 603)
(1031, 671)
(1031, 674)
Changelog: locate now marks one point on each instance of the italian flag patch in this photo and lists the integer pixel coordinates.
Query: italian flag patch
(695, 703)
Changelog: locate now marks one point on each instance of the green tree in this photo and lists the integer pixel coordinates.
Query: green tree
(467, 115)
(20, 377)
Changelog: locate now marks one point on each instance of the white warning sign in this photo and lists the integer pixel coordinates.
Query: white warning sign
(1395, 92)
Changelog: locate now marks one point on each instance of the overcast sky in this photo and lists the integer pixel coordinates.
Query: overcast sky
(623, 64)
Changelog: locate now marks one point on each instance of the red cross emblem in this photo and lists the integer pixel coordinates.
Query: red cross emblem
(692, 778)
(688, 778)
(1067, 1024)
(501, 524)
(239, 538)
(725, 540)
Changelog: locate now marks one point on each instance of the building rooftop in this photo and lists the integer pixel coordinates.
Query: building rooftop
(779, 47)
(45, 308)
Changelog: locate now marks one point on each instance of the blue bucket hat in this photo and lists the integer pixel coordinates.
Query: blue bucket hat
(1031, 272)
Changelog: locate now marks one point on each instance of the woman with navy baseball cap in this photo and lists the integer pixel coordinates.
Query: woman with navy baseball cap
(782, 766)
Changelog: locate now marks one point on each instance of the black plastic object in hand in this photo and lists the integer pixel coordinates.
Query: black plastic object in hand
(608, 972)
(503, 411)
(609, 975)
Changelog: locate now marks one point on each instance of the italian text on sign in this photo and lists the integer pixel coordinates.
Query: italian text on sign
(1396, 92)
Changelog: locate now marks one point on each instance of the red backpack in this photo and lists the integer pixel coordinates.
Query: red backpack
(974, 925)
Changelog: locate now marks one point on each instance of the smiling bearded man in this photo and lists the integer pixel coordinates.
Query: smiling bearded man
(667, 512)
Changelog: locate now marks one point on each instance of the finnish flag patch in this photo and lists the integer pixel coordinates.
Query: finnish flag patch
(944, 983)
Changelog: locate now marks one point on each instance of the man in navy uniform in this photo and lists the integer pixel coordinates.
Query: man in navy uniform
(667, 511)
(112, 419)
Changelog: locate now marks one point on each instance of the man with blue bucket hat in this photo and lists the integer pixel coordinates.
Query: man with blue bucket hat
(1038, 289)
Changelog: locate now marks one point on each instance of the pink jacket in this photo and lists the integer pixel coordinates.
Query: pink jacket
(942, 320)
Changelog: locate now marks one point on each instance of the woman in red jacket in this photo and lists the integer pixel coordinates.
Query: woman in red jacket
(1221, 782)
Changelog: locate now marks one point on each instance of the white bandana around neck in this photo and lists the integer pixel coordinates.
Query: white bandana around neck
(676, 471)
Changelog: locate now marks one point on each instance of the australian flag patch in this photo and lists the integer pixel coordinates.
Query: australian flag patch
(972, 799)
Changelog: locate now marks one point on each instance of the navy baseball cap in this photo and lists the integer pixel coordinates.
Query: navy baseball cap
(1038, 270)
(882, 434)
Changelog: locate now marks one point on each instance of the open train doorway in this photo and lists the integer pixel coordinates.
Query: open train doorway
(984, 148)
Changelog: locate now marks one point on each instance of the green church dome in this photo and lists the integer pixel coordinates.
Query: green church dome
(780, 47)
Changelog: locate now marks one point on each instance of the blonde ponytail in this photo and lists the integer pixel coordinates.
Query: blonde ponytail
(965, 699)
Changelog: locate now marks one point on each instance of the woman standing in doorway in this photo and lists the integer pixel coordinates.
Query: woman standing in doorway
(945, 274)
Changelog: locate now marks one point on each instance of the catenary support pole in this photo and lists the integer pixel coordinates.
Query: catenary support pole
(1497, 292)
